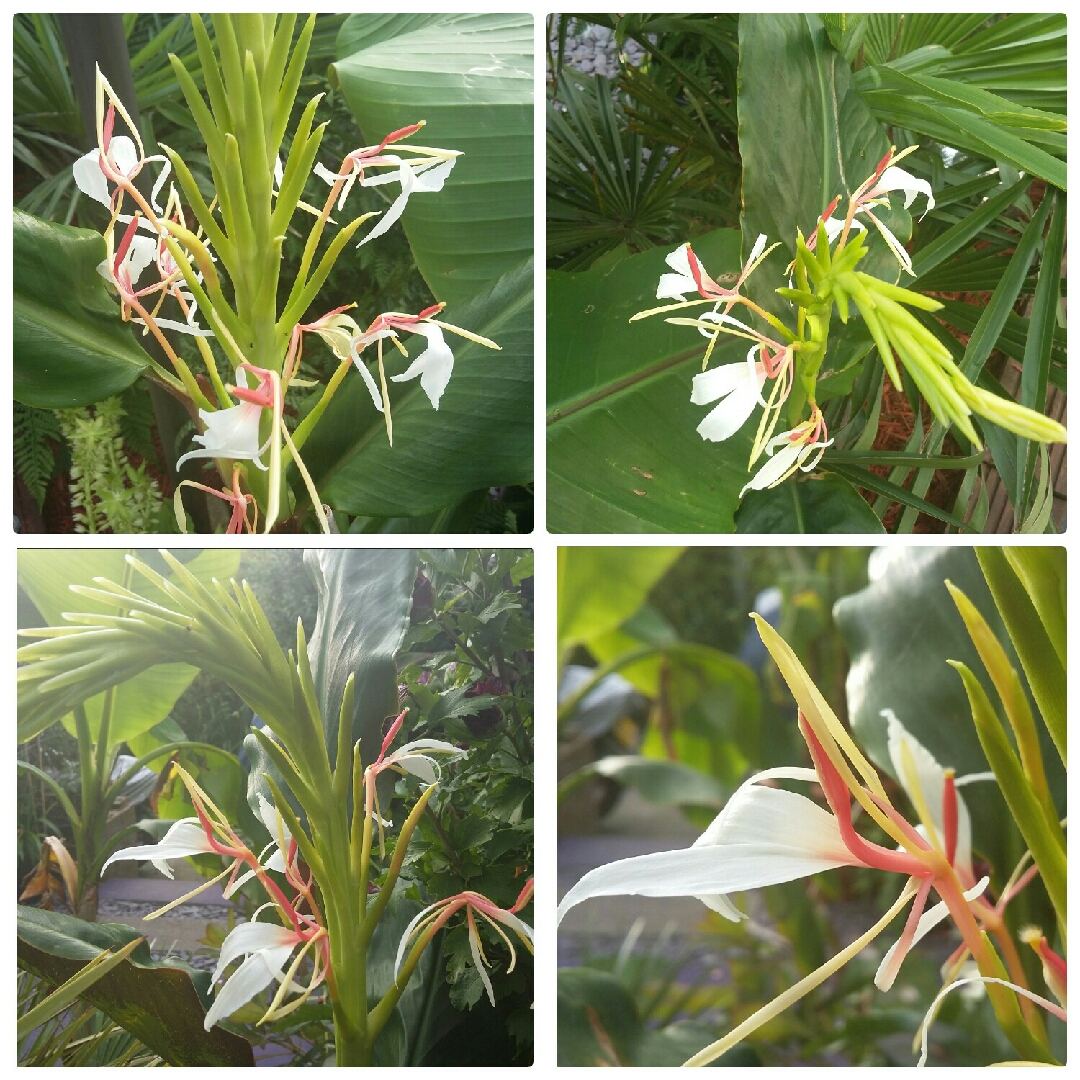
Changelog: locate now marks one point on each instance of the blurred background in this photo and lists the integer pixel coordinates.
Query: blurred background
(668, 701)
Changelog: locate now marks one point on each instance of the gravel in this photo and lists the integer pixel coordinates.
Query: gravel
(592, 50)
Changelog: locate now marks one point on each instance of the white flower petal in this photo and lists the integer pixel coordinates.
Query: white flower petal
(764, 836)
(896, 179)
(89, 178)
(924, 781)
(740, 388)
(230, 433)
(478, 963)
(184, 838)
(249, 937)
(407, 936)
(675, 287)
(778, 466)
(434, 365)
(124, 154)
(758, 248)
(252, 976)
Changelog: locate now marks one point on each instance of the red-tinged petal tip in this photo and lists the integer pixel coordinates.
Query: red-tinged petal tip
(395, 727)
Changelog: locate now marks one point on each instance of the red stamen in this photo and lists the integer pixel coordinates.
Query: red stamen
(882, 165)
(107, 127)
(839, 800)
(1052, 960)
(429, 311)
(696, 270)
(395, 727)
(125, 243)
(828, 211)
(950, 815)
(905, 827)
(524, 896)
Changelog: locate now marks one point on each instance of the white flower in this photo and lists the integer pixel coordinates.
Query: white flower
(800, 448)
(266, 947)
(427, 176)
(737, 387)
(434, 365)
(184, 838)
(234, 433)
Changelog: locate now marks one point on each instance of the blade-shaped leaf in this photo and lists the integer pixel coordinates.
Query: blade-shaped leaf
(470, 77)
(140, 703)
(69, 346)
(364, 602)
(161, 1003)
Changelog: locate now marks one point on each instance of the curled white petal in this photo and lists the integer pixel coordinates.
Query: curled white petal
(434, 365)
(764, 835)
(230, 433)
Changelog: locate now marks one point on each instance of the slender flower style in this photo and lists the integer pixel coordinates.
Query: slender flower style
(768, 835)
(240, 501)
(434, 917)
(426, 169)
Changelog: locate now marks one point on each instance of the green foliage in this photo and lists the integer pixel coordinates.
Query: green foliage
(467, 670)
(35, 433)
(162, 1004)
(108, 492)
(982, 97)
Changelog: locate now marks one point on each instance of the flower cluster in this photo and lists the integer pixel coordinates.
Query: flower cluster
(824, 276)
(300, 930)
(265, 946)
(160, 255)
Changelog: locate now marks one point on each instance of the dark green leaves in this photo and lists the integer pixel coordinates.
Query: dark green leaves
(69, 346)
(161, 1003)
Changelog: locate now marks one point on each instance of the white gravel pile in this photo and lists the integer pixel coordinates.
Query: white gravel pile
(592, 50)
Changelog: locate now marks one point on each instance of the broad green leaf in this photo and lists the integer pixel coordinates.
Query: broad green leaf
(623, 451)
(162, 1003)
(805, 137)
(364, 601)
(69, 345)
(470, 77)
(821, 504)
(142, 702)
(72, 989)
(481, 436)
(599, 588)
(901, 629)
